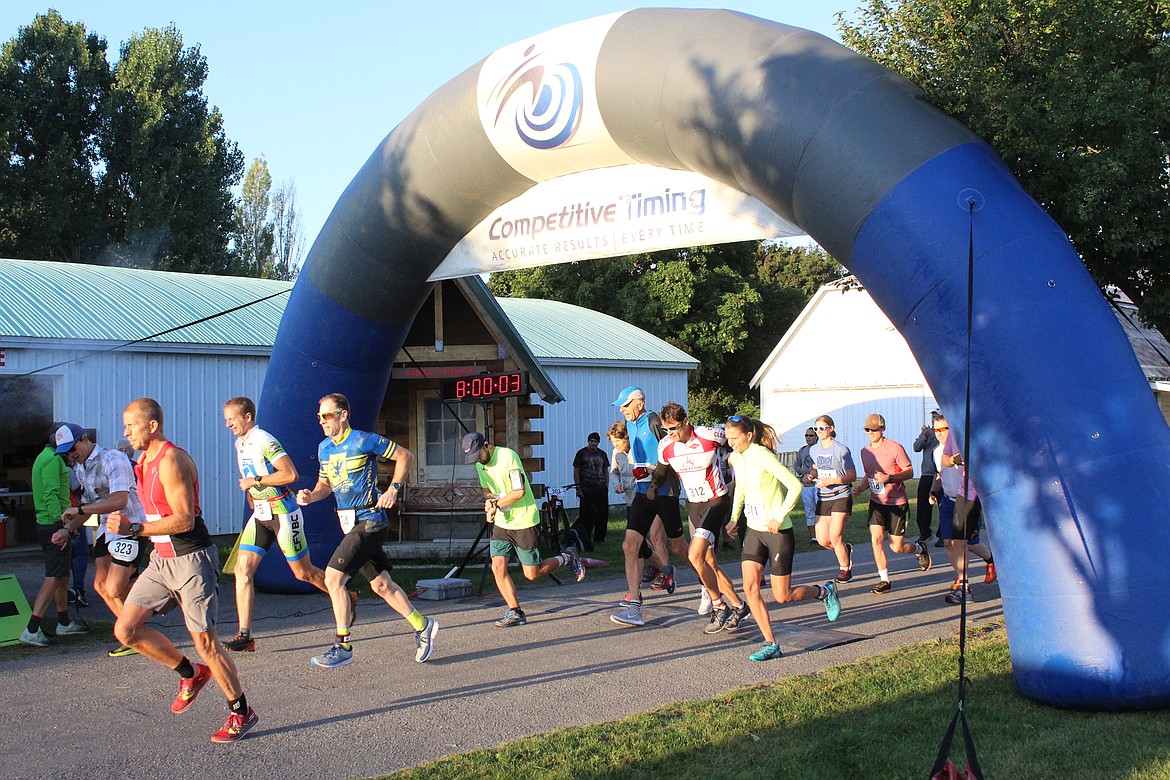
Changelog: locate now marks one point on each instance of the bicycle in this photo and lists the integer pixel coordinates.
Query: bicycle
(555, 527)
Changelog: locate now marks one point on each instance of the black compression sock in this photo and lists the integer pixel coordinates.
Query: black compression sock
(185, 669)
(240, 705)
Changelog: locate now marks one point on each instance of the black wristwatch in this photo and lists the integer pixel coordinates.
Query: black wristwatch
(396, 485)
(256, 481)
(135, 529)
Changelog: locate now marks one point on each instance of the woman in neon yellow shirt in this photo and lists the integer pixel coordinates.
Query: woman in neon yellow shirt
(765, 491)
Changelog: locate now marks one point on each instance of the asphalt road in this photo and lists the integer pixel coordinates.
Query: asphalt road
(73, 712)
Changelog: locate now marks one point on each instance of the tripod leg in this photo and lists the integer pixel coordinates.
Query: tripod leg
(470, 553)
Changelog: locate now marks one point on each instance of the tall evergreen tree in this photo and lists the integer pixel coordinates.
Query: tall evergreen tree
(53, 78)
(170, 165)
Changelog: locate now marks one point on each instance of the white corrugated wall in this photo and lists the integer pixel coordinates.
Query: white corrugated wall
(191, 387)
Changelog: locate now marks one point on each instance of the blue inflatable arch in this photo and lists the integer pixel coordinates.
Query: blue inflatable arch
(1069, 448)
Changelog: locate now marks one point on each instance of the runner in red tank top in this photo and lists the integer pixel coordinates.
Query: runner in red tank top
(183, 570)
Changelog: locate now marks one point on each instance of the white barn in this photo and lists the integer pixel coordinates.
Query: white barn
(877, 372)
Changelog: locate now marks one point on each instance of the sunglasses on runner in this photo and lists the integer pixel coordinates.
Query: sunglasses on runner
(671, 428)
(943, 428)
(822, 428)
(323, 416)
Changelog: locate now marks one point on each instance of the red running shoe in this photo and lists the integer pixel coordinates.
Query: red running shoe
(992, 575)
(236, 726)
(189, 688)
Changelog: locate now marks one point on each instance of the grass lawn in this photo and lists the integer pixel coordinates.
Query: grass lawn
(882, 717)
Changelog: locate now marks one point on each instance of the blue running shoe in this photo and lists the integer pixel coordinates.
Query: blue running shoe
(333, 657)
(575, 563)
(832, 603)
(630, 616)
(769, 651)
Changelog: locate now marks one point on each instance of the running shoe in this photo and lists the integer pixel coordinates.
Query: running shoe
(630, 616)
(77, 596)
(882, 587)
(241, 643)
(649, 574)
(73, 628)
(769, 651)
(236, 727)
(424, 641)
(36, 638)
(957, 595)
(189, 688)
(737, 616)
(720, 617)
(922, 553)
(121, 651)
(832, 602)
(992, 575)
(334, 656)
(664, 580)
(575, 563)
(844, 576)
(704, 602)
(938, 542)
(513, 617)
(626, 600)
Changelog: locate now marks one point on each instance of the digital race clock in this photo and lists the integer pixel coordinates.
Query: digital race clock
(485, 387)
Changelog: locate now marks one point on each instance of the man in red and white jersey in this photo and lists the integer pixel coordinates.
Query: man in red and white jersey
(694, 454)
(183, 570)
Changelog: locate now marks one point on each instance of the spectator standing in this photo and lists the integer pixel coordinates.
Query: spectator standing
(926, 443)
(808, 491)
(591, 475)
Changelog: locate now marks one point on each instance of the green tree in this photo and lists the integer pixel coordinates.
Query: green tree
(53, 76)
(253, 235)
(170, 165)
(1073, 94)
(727, 306)
(289, 245)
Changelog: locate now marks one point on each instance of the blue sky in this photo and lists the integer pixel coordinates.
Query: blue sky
(315, 86)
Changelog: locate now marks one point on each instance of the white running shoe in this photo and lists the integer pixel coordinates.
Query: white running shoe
(704, 602)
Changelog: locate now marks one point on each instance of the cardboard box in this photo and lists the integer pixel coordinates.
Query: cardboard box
(444, 588)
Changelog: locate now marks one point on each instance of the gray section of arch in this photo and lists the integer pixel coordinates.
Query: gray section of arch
(817, 133)
(812, 130)
(431, 179)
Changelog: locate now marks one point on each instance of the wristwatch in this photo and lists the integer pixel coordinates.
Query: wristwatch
(256, 481)
(396, 485)
(135, 529)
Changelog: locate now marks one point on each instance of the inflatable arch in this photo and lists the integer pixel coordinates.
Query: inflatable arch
(852, 154)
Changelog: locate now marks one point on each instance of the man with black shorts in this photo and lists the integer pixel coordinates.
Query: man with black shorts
(511, 510)
(349, 469)
(183, 570)
(266, 471)
(693, 455)
(50, 489)
(887, 467)
(107, 486)
(645, 431)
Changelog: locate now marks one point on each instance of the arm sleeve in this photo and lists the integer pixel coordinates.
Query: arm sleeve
(786, 478)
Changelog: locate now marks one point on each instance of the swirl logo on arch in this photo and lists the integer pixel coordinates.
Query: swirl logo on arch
(537, 102)
(544, 102)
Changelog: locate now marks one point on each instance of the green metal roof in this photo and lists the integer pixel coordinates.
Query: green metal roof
(561, 331)
(47, 300)
(77, 302)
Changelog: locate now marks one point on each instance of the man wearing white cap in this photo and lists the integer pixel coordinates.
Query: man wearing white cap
(107, 486)
(511, 510)
(645, 431)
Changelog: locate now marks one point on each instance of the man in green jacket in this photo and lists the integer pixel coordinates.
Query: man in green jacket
(50, 489)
